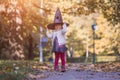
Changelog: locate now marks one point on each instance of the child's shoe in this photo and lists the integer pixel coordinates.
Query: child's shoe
(56, 68)
(63, 69)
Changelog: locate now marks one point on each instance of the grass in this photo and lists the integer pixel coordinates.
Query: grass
(98, 59)
(17, 70)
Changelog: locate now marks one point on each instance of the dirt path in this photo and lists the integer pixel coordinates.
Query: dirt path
(81, 75)
(76, 72)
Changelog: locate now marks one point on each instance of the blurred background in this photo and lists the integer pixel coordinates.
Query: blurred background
(23, 29)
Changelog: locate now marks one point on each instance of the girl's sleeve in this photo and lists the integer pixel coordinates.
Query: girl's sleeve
(48, 34)
(64, 30)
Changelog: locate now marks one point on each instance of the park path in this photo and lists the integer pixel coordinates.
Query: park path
(81, 72)
(81, 75)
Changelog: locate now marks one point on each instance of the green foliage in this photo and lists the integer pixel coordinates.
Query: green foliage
(111, 10)
(12, 76)
(15, 70)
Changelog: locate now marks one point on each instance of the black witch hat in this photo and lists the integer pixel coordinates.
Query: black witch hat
(57, 20)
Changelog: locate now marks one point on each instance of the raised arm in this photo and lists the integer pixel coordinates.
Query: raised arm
(64, 30)
(48, 33)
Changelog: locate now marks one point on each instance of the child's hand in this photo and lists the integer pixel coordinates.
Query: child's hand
(47, 29)
(64, 24)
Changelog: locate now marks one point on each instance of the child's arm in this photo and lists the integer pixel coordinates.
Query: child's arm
(48, 34)
(64, 30)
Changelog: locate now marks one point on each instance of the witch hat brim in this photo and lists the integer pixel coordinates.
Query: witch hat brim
(52, 25)
(57, 20)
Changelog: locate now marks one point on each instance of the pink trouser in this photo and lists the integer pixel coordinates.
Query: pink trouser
(61, 56)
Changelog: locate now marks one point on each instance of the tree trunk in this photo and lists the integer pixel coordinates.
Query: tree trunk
(30, 48)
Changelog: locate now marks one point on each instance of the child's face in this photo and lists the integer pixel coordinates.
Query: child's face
(58, 27)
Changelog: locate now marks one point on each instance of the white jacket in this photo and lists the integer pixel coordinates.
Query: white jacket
(59, 34)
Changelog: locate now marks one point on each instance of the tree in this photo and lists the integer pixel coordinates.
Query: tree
(96, 10)
(18, 24)
(20, 21)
